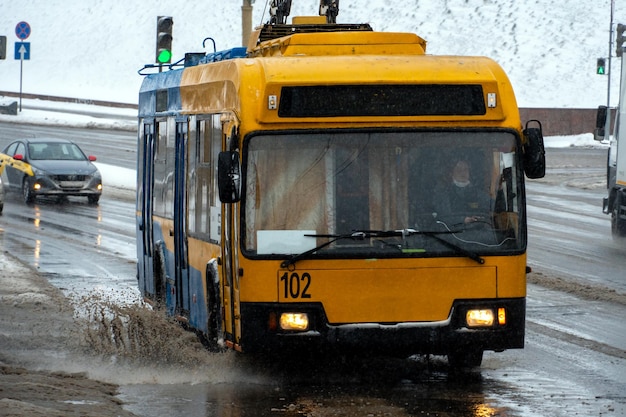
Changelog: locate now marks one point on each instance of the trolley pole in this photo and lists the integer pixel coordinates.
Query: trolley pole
(246, 21)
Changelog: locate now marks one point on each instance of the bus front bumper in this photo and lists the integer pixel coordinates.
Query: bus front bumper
(261, 330)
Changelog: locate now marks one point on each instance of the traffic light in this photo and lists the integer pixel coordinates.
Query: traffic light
(619, 39)
(3, 47)
(164, 39)
(601, 67)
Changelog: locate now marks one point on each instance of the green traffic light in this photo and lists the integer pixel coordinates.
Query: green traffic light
(164, 56)
(601, 66)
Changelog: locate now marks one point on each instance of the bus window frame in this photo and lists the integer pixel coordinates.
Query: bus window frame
(520, 187)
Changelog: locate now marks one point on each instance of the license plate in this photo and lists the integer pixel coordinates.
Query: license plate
(71, 184)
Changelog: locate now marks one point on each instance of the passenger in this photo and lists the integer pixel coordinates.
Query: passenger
(460, 201)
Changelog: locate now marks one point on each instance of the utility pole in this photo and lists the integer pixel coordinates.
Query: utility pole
(607, 126)
(246, 21)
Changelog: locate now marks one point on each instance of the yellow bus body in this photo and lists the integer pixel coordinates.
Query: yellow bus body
(381, 297)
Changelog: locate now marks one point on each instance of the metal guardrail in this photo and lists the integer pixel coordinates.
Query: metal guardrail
(70, 100)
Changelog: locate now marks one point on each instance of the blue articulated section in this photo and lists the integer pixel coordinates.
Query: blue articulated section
(198, 316)
(161, 83)
(193, 295)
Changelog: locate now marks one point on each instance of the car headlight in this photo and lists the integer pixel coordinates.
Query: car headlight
(95, 173)
(38, 171)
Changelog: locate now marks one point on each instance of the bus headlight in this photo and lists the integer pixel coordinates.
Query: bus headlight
(294, 321)
(480, 318)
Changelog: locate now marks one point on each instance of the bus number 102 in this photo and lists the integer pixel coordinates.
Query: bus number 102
(295, 286)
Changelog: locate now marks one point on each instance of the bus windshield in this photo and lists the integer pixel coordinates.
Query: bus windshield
(347, 192)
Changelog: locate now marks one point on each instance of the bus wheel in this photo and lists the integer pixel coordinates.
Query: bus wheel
(618, 216)
(470, 358)
(213, 340)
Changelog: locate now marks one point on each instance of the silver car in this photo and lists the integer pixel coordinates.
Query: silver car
(49, 167)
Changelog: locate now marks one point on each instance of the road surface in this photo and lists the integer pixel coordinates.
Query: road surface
(574, 362)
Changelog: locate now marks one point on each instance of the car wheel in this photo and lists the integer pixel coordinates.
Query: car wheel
(27, 192)
(93, 199)
(1, 207)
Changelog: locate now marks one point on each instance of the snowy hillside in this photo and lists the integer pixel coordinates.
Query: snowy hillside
(93, 49)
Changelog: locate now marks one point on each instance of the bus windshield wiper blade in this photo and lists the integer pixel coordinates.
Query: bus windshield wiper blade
(366, 234)
(356, 235)
(435, 235)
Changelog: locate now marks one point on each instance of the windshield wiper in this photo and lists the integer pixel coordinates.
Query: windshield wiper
(366, 234)
(456, 248)
(356, 235)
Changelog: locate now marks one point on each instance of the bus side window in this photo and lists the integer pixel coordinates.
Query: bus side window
(160, 168)
(204, 208)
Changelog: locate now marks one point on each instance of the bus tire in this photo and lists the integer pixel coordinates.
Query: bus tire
(618, 216)
(469, 358)
(213, 340)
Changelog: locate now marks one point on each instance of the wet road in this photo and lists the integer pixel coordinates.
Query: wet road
(76, 246)
(569, 234)
(112, 147)
(574, 362)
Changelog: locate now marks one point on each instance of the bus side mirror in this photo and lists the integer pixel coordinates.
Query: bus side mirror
(534, 151)
(229, 177)
(599, 131)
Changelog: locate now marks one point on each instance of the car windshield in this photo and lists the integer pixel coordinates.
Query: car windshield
(55, 151)
(461, 190)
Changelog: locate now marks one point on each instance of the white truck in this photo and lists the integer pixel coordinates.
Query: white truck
(615, 202)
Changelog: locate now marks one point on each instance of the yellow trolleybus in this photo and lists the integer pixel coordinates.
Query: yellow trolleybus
(304, 193)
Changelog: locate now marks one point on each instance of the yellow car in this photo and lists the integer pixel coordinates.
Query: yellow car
(49, 167)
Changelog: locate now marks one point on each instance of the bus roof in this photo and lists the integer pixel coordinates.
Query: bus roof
(329, 59)
(342, 43)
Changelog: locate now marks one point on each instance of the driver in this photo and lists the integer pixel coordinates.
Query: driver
(460, 201)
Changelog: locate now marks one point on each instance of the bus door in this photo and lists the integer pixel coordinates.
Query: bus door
(230, 266)
(181, 271)
(145, 239)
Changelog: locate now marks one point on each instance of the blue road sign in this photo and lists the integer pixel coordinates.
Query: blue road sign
(22, 50)
(22, 30)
